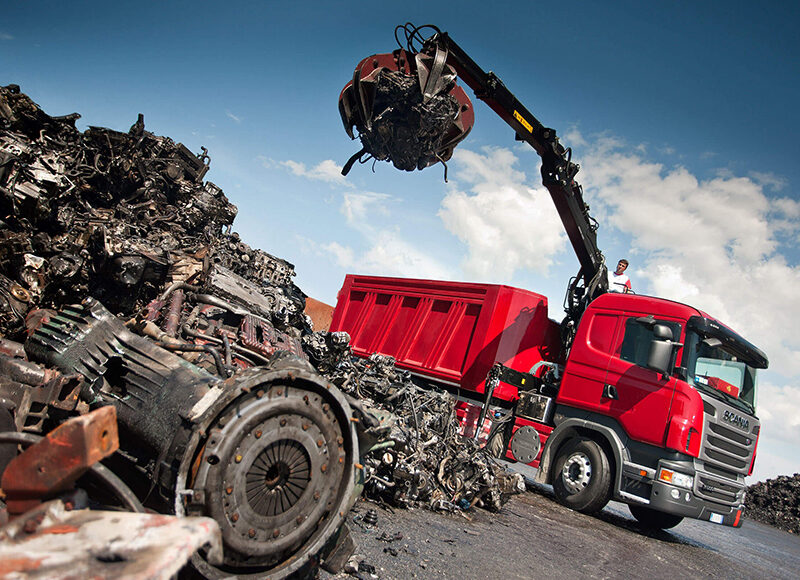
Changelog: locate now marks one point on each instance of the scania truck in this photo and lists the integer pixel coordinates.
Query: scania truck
(637, 398)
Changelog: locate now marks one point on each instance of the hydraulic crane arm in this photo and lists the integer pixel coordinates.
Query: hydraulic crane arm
(408, 109)
(558, 171)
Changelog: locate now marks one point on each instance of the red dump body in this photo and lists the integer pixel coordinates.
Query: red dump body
(451, 332)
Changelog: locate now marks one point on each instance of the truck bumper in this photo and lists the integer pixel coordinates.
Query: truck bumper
(683, 502)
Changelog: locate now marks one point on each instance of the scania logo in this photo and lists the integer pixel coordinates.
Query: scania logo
(737, 420)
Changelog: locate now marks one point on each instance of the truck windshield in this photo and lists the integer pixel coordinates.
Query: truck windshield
(716, 371)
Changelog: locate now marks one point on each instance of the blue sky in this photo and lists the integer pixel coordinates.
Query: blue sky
(683, 116)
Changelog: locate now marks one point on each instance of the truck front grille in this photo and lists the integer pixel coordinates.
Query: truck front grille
(725, 454)
(715, 489)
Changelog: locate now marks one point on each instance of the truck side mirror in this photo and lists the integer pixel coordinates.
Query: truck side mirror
(660, 356)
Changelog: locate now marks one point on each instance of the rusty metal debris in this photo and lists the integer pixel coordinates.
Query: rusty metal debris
(54, 463)
(122, 286)
(62, 538)
(412, 451)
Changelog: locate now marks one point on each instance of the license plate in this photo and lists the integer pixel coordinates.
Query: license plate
(716, 518)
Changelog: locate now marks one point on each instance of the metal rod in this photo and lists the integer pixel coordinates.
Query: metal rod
(492, 379)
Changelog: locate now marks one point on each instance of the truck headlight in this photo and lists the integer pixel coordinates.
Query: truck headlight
(675, 478)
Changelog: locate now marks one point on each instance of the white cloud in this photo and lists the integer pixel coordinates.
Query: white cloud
(774, 460)
(390, 255)
(344, 256)
(788, 207)
(505, 224)
(786, 218)
(573, 138)
(778, 409)
(769, 180)
(233, 117)
(380, 250)
(6, 36)
(356, 206)
(708, 243)
(386, 254)
(328, 170)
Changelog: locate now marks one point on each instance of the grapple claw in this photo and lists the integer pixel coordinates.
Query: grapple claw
(406, 108)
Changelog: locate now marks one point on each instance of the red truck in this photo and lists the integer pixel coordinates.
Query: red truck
(636, 398)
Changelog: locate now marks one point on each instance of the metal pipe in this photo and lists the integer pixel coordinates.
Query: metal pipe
(11, 348)
(246, 352)
(26, 372)
(227, 344)
(238, 349)
(174, 314)
(196, 334)
(219, 303)
(381, 445)
(385, 482)
(221, 369)
(176, 286)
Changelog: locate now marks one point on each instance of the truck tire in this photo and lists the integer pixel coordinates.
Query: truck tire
(652, 519)
(582, 476)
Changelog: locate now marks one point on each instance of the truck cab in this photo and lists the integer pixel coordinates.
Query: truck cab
(679, 435)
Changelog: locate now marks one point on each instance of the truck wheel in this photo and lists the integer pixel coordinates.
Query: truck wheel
(582, 476)
(654, 520)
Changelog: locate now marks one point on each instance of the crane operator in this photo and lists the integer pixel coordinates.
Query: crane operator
(617, 280)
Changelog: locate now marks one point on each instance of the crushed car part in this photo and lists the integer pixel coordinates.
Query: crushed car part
(269, 453)
(413, 455)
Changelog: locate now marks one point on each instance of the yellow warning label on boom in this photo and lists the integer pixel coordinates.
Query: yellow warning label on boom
(523, 122)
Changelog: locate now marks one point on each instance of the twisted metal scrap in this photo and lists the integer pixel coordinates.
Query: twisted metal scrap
(417, 456)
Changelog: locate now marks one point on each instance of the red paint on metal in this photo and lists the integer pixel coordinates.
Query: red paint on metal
(651, 408)
(17, 565)
(451, 332)
(59, 529)
(544, 434)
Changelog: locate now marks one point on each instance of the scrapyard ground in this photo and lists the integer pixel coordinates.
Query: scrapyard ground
(534, 537)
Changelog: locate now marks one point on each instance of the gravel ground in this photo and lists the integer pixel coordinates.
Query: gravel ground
(534, 537)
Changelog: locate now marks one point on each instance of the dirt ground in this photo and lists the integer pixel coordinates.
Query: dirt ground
(534, 537)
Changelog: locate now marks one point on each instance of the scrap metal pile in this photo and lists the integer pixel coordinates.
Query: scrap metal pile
(415, 455)
(122, 285)
(775, 502)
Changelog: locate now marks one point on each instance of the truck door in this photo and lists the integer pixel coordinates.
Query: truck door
(585, 372)
(643, 396)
